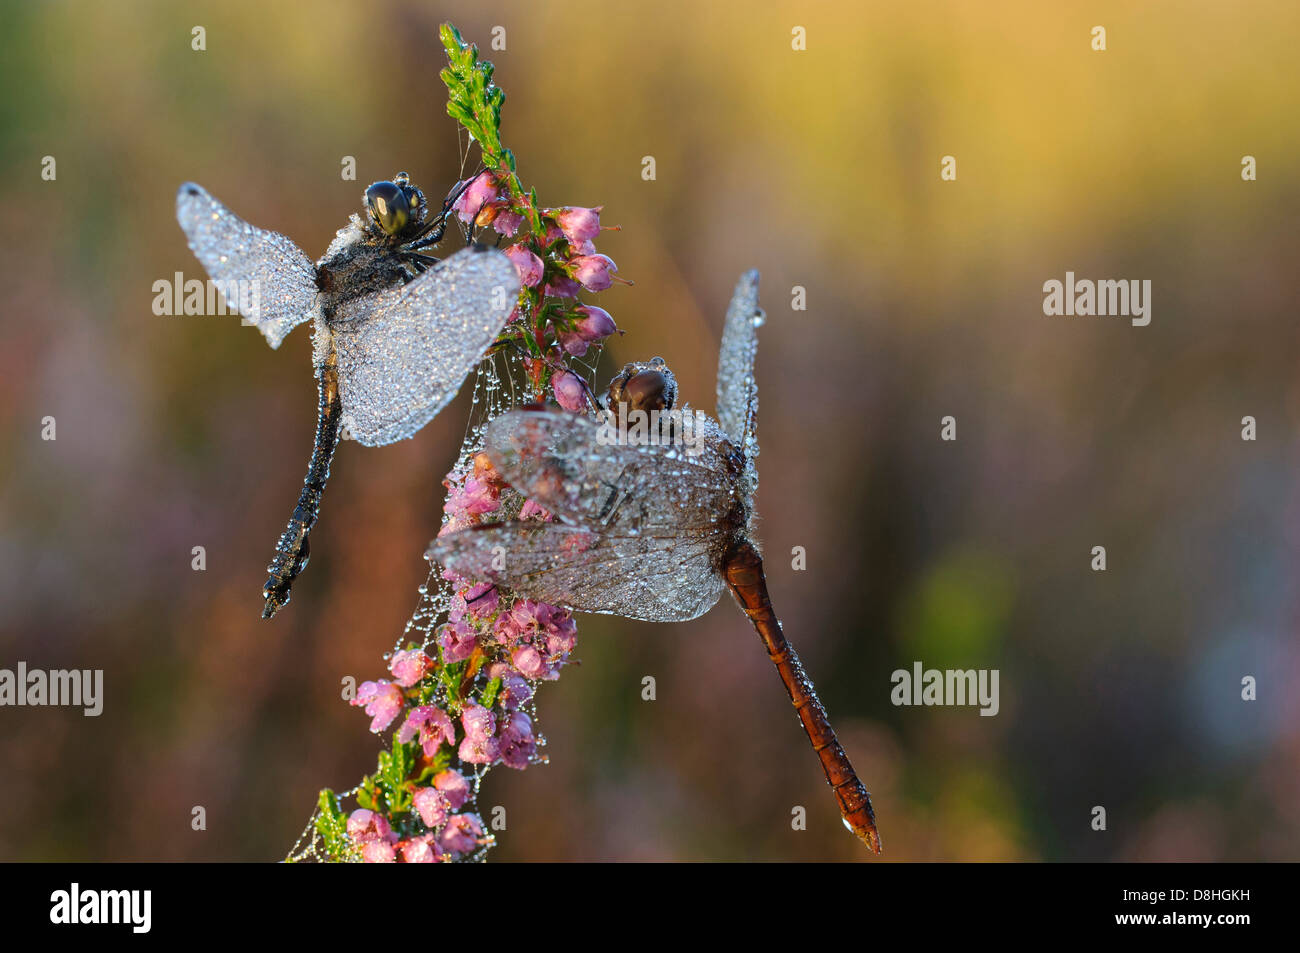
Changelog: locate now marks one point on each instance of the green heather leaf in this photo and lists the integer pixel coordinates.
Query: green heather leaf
(437, 764)
(490, 692)
(364, 797)
(332, 825)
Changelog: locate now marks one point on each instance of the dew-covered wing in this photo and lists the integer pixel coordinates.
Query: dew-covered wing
(570, 465)
(737, 389)
(644, 576)
(404, 353)
(263, 275)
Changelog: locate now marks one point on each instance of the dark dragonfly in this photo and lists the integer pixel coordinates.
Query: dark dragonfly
(396, 330)
(653, 528)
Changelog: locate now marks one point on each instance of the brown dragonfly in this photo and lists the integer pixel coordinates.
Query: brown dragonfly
(655, 515)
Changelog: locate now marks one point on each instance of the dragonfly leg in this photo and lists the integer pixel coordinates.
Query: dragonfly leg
(744, 574)
(293, 551)
(432, 233)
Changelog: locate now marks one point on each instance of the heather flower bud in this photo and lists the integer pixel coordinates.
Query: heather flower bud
(527, 264)
(457, 641)
(594, 325)
(430, 805)
(372, 833)
(409, 666)
(593, 271)
(579, 224)
(453, 786)
(569, 392)
(420, 850)
(461, 835)
(507, 222)
(518, 746)
(479, 192)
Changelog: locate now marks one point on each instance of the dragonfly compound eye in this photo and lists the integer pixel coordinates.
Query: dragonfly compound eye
(388, 206)
(650, 390)
(643, 387)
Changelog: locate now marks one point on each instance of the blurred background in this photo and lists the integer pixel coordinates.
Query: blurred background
(924, 299)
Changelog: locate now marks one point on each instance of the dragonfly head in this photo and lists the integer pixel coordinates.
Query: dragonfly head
(642, 385)
(394, 208)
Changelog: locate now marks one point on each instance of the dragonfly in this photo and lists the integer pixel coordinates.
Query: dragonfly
(652, 529)
(395, 330)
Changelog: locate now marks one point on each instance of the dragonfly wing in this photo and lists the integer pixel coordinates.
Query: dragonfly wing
(403, 353)
(570, 465)
(737, 389)
(637, 576)
(263, 275)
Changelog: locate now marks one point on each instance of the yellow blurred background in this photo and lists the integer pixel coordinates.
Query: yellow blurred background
(924, 297)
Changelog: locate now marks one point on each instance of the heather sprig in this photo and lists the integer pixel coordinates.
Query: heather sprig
(554, 249)
(460, 699)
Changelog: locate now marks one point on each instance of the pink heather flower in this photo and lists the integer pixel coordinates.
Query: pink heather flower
(372, 832)
(524, 616)
(556, 620)
(528, 661)
(515, 690)
(364, 826)
(569, 392)
(531, 510)
(423, 849)
(484, 751)
(378, 852)
(560, 644)
(507, 222)
(562, 286)
(462, 833)
(383, 701)
(586, 248)
(529, 618)
(409, 666)
(451, 784)
(579, 224)
(457, 640)
(593, 325)
(479, 723)
(593, 271)
(506, 629)
(475, 498)
(481, 191)
(482, 600)
(479, 747)
(431, 805)
(577, 542)
(526, 263)
(518, 746)
(432, 726)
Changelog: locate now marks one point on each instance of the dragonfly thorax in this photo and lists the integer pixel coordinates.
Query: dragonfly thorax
(356, 265)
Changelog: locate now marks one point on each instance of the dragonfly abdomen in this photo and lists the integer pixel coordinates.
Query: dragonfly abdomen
(743, 570)
(293, 549)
